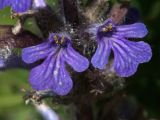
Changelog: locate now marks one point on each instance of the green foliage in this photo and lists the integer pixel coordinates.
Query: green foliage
(12, 105)
(30, 24)
(5, 17)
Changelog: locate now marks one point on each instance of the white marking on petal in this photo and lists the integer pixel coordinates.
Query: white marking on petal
(60, 83)
(39, 4)
(55, 72)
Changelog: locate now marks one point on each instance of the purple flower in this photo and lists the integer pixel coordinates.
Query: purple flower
(52, 74)
(127, 54)
(22, 5)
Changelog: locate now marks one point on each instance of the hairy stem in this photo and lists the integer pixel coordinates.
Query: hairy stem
(70, 11)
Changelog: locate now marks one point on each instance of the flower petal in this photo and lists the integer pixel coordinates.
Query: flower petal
(62, 83)
(21, 5)
(101, 56)
(34, 53)
(128, 55)
(140, 51)
(4, 3)
(51, 75)
(137, 30)
(41, 76)
(75, 60)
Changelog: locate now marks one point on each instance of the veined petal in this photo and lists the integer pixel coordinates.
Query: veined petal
(41, 76)
(101, 56)
(51, 75)
(128, 55)
(62, 82)
(140, 51)
(75, 60)
(21, 5)
(34, 53)
(137, 30)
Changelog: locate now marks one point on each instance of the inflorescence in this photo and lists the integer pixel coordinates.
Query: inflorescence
(57, 51)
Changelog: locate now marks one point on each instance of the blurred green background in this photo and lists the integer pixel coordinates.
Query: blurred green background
(144, 86)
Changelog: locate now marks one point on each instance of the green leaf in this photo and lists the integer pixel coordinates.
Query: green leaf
(30, 24)
(10, 101)
(5, 17)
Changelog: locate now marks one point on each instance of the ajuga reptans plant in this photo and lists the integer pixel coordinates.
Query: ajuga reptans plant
(57, 51)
